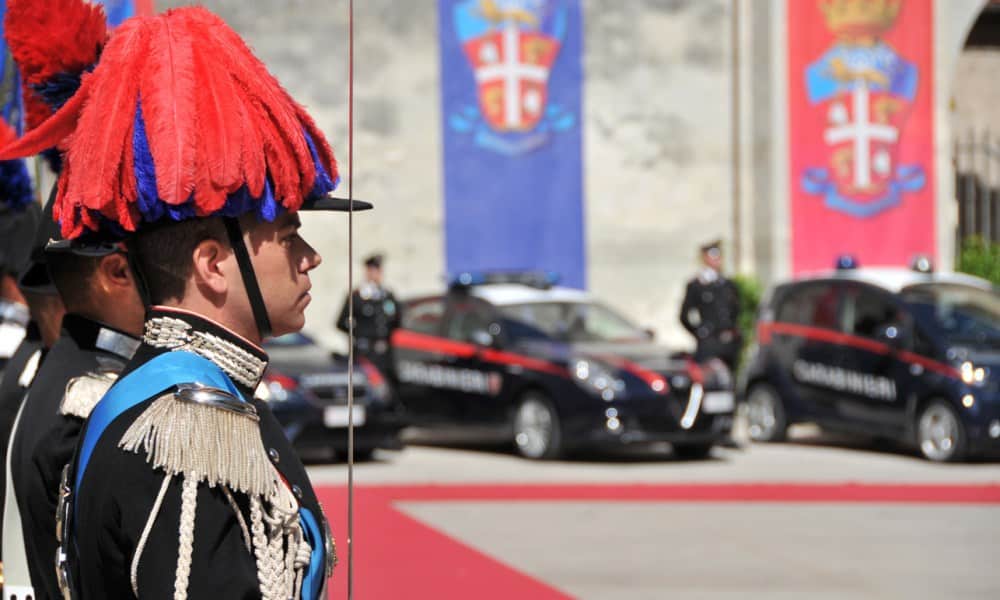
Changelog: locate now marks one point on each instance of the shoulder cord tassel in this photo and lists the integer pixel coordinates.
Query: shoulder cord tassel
(239, 517)
(145, 533)
(278, 545)
(189, 501)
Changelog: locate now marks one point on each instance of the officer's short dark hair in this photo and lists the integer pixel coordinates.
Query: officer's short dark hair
(163, 254)
(374, 260)
(72, 275)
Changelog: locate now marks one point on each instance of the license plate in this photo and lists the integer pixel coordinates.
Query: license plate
(337, 416)
(717, 402)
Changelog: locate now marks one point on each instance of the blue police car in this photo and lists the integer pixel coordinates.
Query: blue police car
(893, 353)
(512, 357)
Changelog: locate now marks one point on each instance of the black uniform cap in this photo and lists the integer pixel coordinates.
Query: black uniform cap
(374, 260)
(48, 241)
(714, 245)
(17, 229)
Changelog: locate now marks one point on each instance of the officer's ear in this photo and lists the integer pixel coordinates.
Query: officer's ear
(213, 263)
(115, 272)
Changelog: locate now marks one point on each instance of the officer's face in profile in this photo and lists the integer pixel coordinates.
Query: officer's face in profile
(374, 274)
(282, 261)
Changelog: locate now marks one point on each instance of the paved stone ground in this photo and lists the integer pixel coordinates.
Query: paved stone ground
(811, 457)
(442, 523)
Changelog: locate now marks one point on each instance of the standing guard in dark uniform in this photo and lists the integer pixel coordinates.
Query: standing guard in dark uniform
(20, 341)
(711, 310)
(19, 218)
(100, 331)
(376, 316)
(47, 311)
(184, 485)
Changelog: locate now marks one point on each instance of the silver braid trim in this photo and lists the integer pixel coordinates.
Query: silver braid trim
(176, 334)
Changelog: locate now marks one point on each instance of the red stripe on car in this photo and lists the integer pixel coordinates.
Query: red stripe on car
(412, 340)
(766, 330)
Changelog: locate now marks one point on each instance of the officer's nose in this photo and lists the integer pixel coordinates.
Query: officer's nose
(311, 258)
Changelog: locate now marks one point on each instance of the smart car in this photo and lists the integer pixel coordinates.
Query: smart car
(551, 369)
(891, 353)
(306, 388)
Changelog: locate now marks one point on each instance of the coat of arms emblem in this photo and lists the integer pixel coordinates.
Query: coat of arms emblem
(511, 46)
(862, 92)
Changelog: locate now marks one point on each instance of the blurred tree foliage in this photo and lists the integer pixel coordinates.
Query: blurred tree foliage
(981, 258)
(751, 291)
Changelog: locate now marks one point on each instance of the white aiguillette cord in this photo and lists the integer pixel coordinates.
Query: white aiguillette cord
(350, 302)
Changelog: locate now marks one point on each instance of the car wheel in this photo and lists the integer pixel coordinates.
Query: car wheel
(537, 434)
(765, 414)
(940, 434)
(692, 451)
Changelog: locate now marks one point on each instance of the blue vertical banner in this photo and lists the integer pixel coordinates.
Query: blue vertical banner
(512, 79)
(119, 10)
(11, 105)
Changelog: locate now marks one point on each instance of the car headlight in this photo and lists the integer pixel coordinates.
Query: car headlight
(973, 375)
(276, 388)
(598, 378)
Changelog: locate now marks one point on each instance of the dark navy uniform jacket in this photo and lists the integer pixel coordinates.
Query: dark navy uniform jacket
(118, 489)
(45, 438)
(16, 379)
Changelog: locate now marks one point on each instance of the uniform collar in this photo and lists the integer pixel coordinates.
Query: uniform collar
(93, 335)
(708, 275)
(370, 290)
(173, 329)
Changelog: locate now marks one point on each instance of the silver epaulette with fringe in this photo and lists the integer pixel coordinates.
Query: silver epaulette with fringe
(204, 434)
(204, 431)
(84, 392)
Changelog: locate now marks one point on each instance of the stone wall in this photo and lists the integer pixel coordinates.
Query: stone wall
(656, 139)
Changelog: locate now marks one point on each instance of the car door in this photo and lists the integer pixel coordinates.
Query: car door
(477, 374)
(876, 379)
(419, 352)
(806, 345)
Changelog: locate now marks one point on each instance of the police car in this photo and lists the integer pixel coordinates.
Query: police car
(893, 353)
(306, 388)
(512, 356)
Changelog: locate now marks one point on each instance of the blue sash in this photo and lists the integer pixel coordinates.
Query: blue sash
(156, 377)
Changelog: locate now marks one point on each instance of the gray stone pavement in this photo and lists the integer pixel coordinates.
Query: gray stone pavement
(714, 550)
(726, 551)
(812, 457)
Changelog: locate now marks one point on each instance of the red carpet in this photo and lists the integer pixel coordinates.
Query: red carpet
(397, 557)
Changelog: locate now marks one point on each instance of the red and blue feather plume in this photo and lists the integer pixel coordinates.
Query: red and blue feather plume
(177, 120)
(15, 183)
(53, 43)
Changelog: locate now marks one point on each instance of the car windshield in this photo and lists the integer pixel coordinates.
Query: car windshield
(963, 314)
(571, 322)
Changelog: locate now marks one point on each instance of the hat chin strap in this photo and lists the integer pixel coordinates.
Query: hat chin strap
(235, 233)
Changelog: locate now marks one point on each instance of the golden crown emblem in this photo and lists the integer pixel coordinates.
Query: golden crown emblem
(859, 17)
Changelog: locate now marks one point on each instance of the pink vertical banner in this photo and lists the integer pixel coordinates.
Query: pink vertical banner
(861, 131)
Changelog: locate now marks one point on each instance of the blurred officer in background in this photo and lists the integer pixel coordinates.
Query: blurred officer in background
(711, 310)
(17, 228)
(376, 315)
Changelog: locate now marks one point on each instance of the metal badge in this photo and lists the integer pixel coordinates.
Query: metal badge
(216, 398)
(64, 506)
